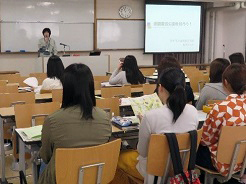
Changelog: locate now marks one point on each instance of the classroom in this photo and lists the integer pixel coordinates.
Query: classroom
(122, 92)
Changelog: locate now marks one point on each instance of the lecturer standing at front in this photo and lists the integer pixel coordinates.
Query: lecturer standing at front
(47, 45)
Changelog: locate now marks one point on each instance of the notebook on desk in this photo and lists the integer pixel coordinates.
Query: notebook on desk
(30, 134)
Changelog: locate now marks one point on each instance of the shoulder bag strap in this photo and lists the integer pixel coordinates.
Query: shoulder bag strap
(193, 146)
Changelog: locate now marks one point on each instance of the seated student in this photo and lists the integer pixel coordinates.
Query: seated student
(130, 73)
(237, 58)
(55, 71)
(234, 81)
(174, 116)
(168, 62)
(79, 123)
(214, 90)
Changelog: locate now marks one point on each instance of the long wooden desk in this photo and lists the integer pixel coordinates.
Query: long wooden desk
(46, 96)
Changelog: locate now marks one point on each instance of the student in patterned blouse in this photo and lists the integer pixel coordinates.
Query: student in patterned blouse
(234, 82)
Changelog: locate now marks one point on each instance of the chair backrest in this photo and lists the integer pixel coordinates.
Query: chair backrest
(158, 152)
(89, 158)
(147, 71)
(214, 101)
(8, 98)
(101, 78)
(57, 95)
(40, 77)
(97, 85)
(21, 81)
(12, 78)
(116, 91)
(42, 91)
(9, 89)
(229, 137)
(24, 113)
(112, 103)
(3, 82)
(149, 89)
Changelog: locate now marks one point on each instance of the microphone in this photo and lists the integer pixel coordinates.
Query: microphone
(63, 44)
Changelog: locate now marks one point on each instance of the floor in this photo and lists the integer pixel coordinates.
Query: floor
(13, 176)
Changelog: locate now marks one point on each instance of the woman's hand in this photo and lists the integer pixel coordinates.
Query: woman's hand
(120, 65)
(140, 117)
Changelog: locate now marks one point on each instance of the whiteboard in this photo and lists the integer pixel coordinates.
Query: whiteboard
(71, 11)
(25, 36)
(120, 34)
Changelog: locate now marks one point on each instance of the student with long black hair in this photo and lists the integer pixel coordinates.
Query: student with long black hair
(175, 116)
(127, 72)
(55, 71)
(77, 124)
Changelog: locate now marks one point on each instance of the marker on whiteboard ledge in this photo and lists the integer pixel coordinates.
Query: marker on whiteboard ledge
(22, 50)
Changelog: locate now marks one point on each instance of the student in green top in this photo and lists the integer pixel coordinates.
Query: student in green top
(79, 123)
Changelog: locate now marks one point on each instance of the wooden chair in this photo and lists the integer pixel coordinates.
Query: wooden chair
(8, 99)
(97, 85)
(214, 101)
(11, 78)
(57, 95)
(21, 83)
(40, 77)
(95, 164)
(101, 78)
(147, 71)
(231, 150)
(3, 82)
(27, 113)
(112, 103)
(149, 89)
(124, 91)
(158, 161)
(9, 89)
(42, 91)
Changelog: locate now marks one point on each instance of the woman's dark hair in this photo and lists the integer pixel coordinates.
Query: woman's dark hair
(46, 30)
(168, 62)
(173, 80)
(237, 58)
(55, 67)
(133, 74)
(217, 67)
(235, 75)
(78, 89)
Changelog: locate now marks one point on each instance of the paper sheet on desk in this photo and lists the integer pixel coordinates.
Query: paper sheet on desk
(106, 84)
(29, 135)
(33, 82)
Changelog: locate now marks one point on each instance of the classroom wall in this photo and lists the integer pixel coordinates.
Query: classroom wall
(104, 12)
(230, 31)
(107, 9)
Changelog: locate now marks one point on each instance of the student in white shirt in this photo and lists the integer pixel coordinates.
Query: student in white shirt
(175, 116)
(127, 72)
(55, 71)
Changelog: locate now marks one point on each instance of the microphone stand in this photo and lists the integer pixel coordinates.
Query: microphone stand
(64, 49)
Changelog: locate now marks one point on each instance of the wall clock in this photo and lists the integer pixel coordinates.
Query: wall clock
(125, 11)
